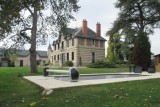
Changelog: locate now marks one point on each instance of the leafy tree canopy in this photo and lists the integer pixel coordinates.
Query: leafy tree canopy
(136, 19)
(137, 14)
(31, 21)
(114, 52)
(16, 17)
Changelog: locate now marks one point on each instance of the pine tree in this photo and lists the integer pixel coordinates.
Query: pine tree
(141, 53)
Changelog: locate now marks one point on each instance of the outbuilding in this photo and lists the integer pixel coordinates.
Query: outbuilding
(157, 62)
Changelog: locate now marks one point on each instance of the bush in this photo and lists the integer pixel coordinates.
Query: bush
(121, 62)
(101, 64)
(69, 63)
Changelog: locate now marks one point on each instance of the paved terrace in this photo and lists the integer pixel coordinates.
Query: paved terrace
(49, 83)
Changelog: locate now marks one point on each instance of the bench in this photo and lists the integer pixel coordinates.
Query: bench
(72, 72)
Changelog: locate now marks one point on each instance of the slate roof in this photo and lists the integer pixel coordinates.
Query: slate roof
(78, 33)
(42, 53)
(25, 53)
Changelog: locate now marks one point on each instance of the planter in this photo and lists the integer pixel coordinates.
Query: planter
(138, 70)
(45, 73)
(151, 70)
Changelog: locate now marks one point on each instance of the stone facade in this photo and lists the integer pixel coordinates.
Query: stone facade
(23, 58)
(82, 46)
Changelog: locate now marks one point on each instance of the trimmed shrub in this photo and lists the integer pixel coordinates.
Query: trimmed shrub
(101, 64)
(69, 63)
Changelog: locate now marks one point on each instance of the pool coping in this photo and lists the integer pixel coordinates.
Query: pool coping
(49, 83)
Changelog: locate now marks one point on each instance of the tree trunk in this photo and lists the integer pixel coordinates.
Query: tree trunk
(33, 62)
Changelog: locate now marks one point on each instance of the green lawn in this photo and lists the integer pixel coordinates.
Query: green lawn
(18, 92)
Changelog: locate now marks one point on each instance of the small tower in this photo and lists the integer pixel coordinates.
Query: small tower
(49, 47)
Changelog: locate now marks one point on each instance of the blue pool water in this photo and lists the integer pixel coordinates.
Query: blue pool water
(99, 76)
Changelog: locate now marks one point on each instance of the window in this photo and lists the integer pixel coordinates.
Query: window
(58, 46)
(73, 42)
(72, 55)
(102, 44)
(44, 62)
(58, 57)
(54, 57)
(81, 41)
(67, 56)
(80, 61)
(89, 42)
(54, 47)
(21, 63)
(62, 44)
(96, 43)
(93, 42)
(67, 43)
(93, 57)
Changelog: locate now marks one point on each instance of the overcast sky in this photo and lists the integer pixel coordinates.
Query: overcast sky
(104, 12)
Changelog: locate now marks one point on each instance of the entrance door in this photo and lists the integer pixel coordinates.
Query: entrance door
(63, 57)
(93, 57)
(21, 63)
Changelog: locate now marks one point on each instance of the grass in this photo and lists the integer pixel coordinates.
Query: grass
(18, 92)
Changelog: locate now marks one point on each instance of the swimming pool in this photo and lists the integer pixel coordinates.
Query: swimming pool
(98, 76)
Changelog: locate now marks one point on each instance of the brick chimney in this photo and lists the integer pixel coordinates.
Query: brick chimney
(98, 29)
(84, 27)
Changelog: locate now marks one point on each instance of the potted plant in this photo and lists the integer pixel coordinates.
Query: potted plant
(151, 69)
(138, 69)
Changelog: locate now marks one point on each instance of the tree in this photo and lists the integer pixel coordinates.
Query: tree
(12, 57)
(45, 17)
(141, 53)
(128, 43)
(114, 53)
(111, 56)
(140, 15)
